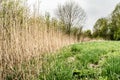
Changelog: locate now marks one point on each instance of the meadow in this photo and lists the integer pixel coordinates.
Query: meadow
(37, 47)
(98, 60)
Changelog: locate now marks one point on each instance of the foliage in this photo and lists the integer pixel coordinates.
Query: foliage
(76, 32)
(100, 28)
(88, 33)
(109, 28)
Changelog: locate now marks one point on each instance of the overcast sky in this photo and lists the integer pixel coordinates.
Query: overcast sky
(94, 9)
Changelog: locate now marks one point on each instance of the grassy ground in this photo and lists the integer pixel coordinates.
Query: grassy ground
(84, 61)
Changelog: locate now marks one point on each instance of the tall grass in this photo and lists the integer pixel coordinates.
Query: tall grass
(24, 40)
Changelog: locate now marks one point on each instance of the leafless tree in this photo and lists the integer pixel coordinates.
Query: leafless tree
(71, 15)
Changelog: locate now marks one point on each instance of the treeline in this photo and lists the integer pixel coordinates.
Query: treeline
(70, 19)
(108, 27)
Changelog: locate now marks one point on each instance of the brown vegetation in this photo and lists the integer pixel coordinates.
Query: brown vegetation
(24, 40)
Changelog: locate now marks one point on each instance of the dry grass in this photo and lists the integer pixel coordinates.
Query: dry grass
(27, 44)
(23, 45)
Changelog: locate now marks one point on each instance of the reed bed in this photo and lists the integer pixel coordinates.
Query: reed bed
(24, 40)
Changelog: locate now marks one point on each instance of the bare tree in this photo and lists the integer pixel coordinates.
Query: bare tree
(71, 15)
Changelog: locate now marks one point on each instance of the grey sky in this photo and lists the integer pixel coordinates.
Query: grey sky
(95, 9)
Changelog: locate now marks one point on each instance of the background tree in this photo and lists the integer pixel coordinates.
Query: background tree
(100, 28)
(115, 23)
(109, 28)
(87, 33)
(76, 32)
(71, 15)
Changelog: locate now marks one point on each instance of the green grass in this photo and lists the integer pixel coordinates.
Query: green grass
(84, 61)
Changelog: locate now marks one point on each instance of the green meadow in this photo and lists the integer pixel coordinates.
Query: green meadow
(84, 61)
(37, 46)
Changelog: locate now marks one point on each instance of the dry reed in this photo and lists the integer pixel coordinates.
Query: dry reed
(24, 40)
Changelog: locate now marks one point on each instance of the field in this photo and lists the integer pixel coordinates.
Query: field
(84, 61)
(36, 46)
